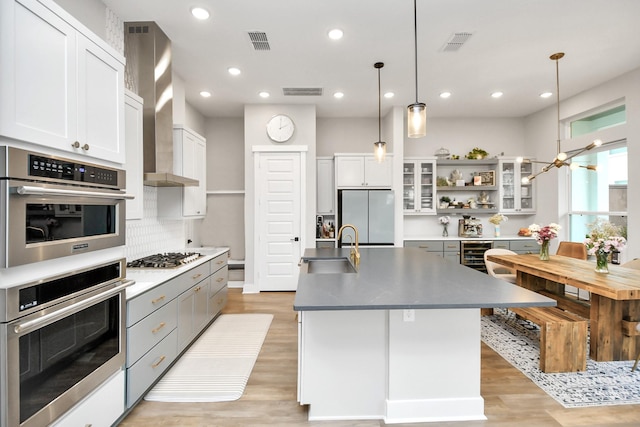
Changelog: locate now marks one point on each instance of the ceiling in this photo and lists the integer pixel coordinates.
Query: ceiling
(508, 51)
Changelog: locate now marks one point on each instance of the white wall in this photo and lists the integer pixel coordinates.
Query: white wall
(255, 120)
(540, 134)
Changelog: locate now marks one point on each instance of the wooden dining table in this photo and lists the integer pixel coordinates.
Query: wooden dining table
(613, 308)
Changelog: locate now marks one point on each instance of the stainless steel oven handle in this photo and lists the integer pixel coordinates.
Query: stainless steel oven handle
(40, 191)
(64, 312)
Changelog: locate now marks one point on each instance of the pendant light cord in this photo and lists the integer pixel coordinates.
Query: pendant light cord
(558, 101)
(379, 108)
(415, 44)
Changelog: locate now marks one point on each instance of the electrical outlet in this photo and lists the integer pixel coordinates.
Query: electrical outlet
(409, 315)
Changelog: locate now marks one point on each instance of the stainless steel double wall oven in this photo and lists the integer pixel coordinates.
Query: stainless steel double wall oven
(53, 207)
(62, 333)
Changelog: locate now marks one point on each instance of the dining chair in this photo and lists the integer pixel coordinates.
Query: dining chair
(634, 263)
(572, 249)
(497, 270)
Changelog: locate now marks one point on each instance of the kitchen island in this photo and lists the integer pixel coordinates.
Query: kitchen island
(398, 339)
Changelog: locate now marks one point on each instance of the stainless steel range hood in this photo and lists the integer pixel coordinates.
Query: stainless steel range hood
(148, 53)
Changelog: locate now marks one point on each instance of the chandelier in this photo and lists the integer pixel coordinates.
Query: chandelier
(561, 159)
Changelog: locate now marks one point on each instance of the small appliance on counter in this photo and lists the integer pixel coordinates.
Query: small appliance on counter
(469, 227)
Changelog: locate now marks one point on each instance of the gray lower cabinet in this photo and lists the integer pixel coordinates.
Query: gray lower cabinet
(448, 249)
(524, 246)
(165, 320)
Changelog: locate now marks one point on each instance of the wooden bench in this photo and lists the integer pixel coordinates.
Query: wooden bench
(563, 338)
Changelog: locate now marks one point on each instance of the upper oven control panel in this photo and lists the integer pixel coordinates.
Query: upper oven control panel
(42, 166)
(16, 163)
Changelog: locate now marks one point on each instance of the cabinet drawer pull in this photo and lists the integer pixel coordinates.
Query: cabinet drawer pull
(76, 144)
(157, 300)
(423, 247)
(197, 289)
(220, 262)
(85, 147)
(155, 365)
(196, 276)
(219, 279)
(160, 326)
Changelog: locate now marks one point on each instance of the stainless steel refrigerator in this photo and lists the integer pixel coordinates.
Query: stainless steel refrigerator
(371, 211)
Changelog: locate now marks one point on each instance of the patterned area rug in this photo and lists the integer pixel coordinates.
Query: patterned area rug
(217, 366)
(603, 383)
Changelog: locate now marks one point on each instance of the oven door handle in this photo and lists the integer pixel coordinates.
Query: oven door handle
(64, 312)
(40, 191)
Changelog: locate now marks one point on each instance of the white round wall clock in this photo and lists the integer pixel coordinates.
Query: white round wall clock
(280, 128)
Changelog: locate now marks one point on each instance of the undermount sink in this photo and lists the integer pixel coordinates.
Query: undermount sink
(329, 266)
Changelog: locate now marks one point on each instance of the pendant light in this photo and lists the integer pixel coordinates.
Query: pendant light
(416, 112)
(380, 147)
(561, 158)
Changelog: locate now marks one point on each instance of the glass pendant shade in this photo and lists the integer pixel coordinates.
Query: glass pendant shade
(380, 150)
(417, 120)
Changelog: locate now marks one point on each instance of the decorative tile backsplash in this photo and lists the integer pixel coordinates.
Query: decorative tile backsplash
(151, 234)
(114, 31)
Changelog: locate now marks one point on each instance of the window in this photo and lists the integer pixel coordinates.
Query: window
(595, 122)
(601, 194)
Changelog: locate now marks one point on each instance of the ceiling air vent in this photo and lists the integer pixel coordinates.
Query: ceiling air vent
(456, 41)
(259, 40)
(302, 91)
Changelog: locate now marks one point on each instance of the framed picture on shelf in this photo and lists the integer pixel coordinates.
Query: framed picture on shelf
(487, 178)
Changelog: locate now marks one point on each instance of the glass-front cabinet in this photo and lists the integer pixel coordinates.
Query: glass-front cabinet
(515, 196)
(418, 186)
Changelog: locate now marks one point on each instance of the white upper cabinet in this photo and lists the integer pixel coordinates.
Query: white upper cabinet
(62, 87)
(189, 160)
(363, 171)
(133, 139)
(325, 188)
(516, 197)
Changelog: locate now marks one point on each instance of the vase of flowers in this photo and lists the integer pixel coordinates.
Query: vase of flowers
(543, 236)
(444, 220)
(603, 238)
(496, 220)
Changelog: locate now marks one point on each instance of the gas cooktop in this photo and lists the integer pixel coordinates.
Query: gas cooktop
(166, 260)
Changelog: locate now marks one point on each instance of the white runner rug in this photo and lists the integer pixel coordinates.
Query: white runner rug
(217, 366)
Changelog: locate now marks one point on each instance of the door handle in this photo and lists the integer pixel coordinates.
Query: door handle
(295, 239)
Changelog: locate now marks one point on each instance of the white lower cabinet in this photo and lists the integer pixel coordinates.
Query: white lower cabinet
(163, 321)
(100, 409)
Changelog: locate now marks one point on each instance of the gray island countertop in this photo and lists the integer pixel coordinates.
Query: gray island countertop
(405, 278)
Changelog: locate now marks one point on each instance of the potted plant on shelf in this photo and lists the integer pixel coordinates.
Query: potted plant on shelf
(444, 202)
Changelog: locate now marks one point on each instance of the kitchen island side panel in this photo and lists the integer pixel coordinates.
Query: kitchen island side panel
(434, 366)
(343, 364)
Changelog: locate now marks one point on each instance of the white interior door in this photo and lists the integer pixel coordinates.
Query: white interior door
(278, 221)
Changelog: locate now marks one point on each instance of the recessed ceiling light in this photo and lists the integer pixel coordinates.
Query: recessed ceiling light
(336, 34)
(205, 94)
(264, 94)
(338, 95)
(200, 13)
(389, 95)
(234, 71)
(496, 94)
(445, 95)
(545, 94)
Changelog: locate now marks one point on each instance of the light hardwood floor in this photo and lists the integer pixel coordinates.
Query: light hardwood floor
(511, 399)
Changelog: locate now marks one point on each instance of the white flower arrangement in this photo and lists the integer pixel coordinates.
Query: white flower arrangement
(444, 220)
(498, 218)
